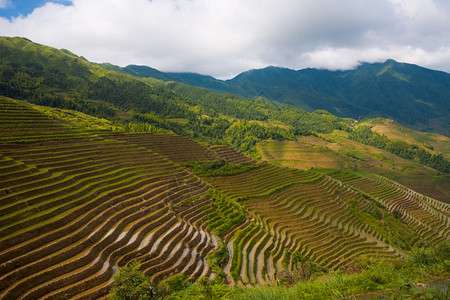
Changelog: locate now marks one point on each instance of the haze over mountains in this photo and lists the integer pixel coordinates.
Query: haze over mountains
(410, 94)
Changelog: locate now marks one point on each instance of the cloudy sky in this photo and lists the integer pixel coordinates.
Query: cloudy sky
(225, 37)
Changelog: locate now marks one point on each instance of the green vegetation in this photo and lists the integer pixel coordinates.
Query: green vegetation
(219, 168)
(396, 90)
(73, 83)
(131, 283)
(389, 226)
(225, 215)
(59, 79)
(77, 119)
(397, 280)
(217, 260)
(365, 135)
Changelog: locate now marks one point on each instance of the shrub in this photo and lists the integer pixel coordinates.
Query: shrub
(130, 283)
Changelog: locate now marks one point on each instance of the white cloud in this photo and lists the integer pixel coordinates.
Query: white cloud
(344, 58)
(225, 37)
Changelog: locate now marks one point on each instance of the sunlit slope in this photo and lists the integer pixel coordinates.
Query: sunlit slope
(303, 154)
(393, 130)
(338, 151)
(74, 210)
(21, 123)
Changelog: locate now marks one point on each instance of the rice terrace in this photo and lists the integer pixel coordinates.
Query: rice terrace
(176, 187)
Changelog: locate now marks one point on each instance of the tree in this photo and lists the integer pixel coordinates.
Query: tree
(130, 283)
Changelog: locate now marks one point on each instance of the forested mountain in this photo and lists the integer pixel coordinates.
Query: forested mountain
(412, 95)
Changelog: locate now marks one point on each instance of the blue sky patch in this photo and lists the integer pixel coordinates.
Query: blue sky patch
(14, 8)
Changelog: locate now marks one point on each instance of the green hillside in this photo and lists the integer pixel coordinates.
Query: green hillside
(205, 193)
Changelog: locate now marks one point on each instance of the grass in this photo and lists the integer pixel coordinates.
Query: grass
(398, 280)
(76, 119)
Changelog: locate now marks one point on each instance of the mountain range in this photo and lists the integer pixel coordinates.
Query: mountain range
(412, 95)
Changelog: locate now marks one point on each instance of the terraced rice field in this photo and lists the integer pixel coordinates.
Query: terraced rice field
(175, 148)
(72, 211)
(429, 217)
(302, 155)
(231, 155)
(21, 123)
(310, 213)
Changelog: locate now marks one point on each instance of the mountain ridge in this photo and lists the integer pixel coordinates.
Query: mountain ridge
(410, 94)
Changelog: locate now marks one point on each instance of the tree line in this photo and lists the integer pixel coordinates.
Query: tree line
(365, 135)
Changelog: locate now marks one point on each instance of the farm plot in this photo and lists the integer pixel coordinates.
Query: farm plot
(72, 212)
(174, 147)
(19, 122)
(429, 217)
(231, 155)
(295, 211)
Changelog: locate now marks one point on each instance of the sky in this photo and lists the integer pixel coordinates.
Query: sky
(225, 37)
